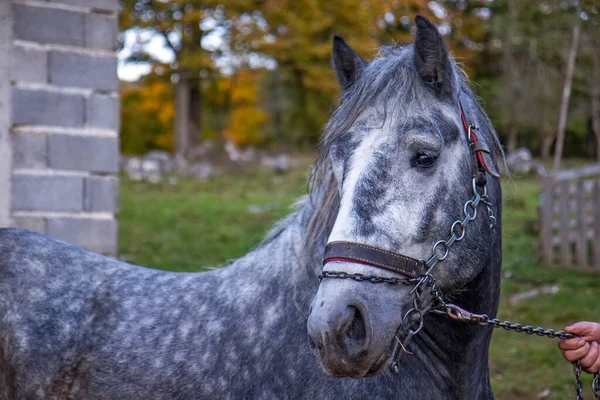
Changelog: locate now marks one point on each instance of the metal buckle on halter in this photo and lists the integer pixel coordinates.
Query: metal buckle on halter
(471, 127)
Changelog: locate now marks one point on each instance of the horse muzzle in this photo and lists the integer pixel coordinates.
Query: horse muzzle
(341, 335)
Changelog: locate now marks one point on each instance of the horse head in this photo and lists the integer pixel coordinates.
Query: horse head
(405, 167)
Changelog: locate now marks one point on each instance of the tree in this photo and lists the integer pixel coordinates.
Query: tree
(182, 25)
(296, 34)
(566, 92)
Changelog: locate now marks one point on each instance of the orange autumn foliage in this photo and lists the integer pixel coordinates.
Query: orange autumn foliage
(147, 112)
(247, 120)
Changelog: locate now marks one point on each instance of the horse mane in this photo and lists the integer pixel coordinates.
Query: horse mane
(391, 76)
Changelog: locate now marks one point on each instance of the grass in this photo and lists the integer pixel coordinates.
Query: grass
(191, 224)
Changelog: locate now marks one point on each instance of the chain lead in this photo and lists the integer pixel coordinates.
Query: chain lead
(578, 384)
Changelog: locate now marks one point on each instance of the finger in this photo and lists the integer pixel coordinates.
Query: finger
(590, 358)
(571, 344)
(595, 332)
(574, 355)
(594, 368)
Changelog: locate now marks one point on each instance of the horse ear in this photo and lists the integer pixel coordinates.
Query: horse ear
(432, 59)
(346, 63)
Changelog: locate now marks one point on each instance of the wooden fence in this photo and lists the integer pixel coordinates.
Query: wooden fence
(570, 218)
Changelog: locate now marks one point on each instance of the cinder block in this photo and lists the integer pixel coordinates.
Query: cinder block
(101, 31)
(106, 5)
(102, 111)
(83, 153)
(82, 70)
(29, 150)
(35, 224)
(39, 107)
(47, 193)
(47, 25)
(98, 235)
(101, 194)
(28, 65)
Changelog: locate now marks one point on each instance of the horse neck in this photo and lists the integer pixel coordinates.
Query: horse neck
(280, 265)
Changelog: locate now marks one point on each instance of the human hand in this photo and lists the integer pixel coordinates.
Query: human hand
(584, 348)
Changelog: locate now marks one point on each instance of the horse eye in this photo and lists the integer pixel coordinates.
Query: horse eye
(424, 160)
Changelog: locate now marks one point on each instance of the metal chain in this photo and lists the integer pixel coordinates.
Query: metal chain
(457, 313)
(491, 217)
(596, 385)
(441, 248)
(578, 384)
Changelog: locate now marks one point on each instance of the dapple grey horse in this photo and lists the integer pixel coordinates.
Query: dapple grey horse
(393, 171)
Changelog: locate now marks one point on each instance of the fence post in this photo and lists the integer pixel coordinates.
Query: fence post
(581, 231)
(564, 229)
(547, 217)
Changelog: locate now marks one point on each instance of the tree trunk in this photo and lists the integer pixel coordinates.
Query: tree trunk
(188, 108)
(195, 115)
(595, 97)
(277, 106)
(513, 136)
(300, 111)
(547, 140)
(566, 93)
(515, 79)
(182, 108)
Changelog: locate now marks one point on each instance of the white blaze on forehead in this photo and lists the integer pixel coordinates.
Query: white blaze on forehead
(403, 220)
(360, 160)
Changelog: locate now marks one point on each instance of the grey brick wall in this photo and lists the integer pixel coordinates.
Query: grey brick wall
(40, 107)
(5, 114)
(47, 193)
(82, 70)
(81, 153)
(59, 119)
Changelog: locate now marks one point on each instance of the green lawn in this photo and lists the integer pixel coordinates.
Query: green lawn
(189, 225)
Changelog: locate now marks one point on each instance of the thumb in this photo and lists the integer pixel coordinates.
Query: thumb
(581, 329)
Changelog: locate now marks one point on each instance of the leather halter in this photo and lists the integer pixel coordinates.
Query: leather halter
(481, 162)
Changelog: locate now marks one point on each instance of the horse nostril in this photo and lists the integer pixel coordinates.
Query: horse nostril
(355, 332)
